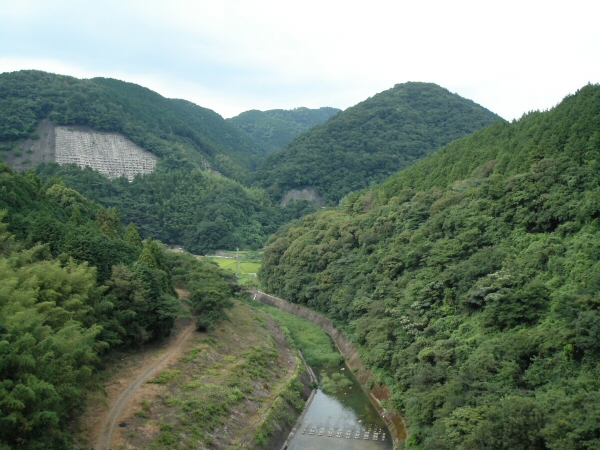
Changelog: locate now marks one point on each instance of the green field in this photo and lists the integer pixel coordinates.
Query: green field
(249, 265)
(229, 264)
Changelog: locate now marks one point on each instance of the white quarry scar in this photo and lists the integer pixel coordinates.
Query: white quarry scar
(109, 153)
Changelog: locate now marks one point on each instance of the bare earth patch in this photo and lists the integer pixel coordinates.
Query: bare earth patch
(231, 375)
(101, 406)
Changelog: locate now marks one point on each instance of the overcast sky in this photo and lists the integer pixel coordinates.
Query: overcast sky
(232, 56)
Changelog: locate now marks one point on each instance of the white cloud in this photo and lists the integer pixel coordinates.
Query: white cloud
(236, 55)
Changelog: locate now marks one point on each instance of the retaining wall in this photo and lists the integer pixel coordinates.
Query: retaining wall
(350, 352)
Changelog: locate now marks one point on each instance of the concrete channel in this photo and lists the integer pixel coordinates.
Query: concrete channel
(365, 378)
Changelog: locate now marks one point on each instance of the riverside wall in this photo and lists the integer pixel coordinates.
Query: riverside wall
(350, 353)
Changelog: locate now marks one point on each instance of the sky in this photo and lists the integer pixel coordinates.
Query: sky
(231, 56)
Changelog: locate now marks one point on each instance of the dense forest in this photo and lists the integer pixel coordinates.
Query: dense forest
(198, 209)
(275, 128)
(181, 202)
(180, 133)
(372, 140)
(471, 282)
(75, 286)
(204, 194)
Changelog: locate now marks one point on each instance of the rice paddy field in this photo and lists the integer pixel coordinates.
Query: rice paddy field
(249, 264)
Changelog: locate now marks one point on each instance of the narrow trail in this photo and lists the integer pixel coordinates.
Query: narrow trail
(112, 417)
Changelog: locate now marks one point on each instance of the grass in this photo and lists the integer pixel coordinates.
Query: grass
(165, 376)
(231, 375)
(316, 345)
(229, 264)
(249, 265)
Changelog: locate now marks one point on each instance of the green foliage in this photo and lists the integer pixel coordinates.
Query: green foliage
(179, 132)
(337, 382)
(471, 282)
(165, 376)
(210, 287)
(191, 199)
(71, 289)
(316, 346)
(275, 128)
(201, 210)
(132, 236)
(372, 140)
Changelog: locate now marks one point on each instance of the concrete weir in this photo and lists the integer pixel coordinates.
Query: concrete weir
(351, 355)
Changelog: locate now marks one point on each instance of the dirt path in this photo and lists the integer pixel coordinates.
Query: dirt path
(173, 350)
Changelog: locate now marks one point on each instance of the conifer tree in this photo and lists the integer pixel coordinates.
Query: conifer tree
(132, 236)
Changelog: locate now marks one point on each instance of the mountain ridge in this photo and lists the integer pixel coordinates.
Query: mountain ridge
(177, 131)
(470, 281)
(275, 128)
(371, 140)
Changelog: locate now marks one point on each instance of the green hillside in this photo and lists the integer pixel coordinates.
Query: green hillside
(181, 202)
(199, 195)
(275, 128)
(179, 132)
(372, 140)
(76, 285)
(471, 282)
(200, 210)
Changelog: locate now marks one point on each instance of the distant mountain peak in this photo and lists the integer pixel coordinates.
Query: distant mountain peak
(275, 128)
(370, 141)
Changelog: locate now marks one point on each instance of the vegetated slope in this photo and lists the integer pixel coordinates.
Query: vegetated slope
(75, 284)
(181, 202)
(471, 281)
(179, 132)
(372, 140)
(233, 387)
(275, 128)
(201, 210)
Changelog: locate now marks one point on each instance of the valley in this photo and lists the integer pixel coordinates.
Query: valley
(451, 256)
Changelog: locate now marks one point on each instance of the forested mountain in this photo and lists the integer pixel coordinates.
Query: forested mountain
(198, 209)
(74, 285)
(179, 132)
(199, 194)
(372, 140)
(275, 128)
(471, 282)
(181, 202)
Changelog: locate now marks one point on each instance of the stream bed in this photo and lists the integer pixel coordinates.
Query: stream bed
(341, 416)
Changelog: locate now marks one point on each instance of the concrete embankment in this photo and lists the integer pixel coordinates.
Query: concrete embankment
(377, 392)
(283, 417)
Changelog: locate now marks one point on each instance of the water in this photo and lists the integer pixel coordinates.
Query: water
(342, 419)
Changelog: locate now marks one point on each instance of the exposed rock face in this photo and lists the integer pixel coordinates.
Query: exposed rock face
(350, 353)
(303, 194)
(109, 153)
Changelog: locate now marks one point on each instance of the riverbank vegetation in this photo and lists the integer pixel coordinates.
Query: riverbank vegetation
(470, 282)
(314, 343)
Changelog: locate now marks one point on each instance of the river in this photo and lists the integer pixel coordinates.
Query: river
(342, 417)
